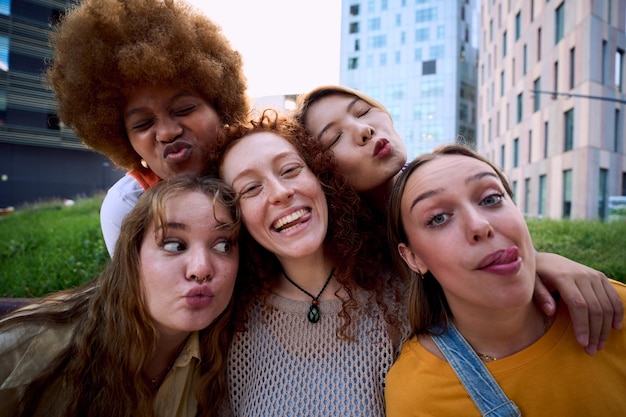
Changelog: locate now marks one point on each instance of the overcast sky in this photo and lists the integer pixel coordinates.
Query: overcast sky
(288, 46)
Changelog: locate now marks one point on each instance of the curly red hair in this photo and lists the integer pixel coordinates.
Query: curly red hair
(353, 242)
(103, 48)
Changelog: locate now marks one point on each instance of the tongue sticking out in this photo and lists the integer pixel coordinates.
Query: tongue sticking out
(291, 220)
(507, 256)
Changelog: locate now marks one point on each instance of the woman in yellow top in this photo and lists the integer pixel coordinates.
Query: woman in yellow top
(467, 252)
(148, 336)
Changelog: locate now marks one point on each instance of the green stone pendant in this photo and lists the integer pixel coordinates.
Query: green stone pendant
(314, 314)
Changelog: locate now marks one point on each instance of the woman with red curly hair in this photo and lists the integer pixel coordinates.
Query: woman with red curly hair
(147, 83)
(321, 318)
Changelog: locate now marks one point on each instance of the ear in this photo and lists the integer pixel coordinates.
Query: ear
(411, 259)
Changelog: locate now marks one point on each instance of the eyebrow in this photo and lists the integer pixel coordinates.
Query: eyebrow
(468, 180)
(276, 157)
(329, 125)
(136, 110)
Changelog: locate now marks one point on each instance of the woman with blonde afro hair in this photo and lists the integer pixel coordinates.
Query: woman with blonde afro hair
(147, 83)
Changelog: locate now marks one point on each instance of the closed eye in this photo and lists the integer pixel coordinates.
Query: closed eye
(185, 110)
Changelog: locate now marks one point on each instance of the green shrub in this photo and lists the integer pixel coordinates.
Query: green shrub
(601, 246)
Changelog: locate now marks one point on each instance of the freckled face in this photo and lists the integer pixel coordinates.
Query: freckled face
(463, 227)
(282, 202)
(192, 246)
(171, 129)
(368, 150)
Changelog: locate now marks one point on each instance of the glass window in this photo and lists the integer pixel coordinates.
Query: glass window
(354, 10)
(437, 52)
(538, 44)
(518, 25)
(429, 67)
(425, 15)
(567, 194)
(504, 44)
(605, 57)
(354, 27)
(373, 24)
(619, 70)
(537, 96)
(421, 35)
(515, 152)
(545, 140)
(4, 53)
(569, 130)
(603, 193)
(559, 22)
(526, 196)
(520, 103)
(441, 32)
(616, 131)
(543, 193)
(417, 56)
(379, 41)
(353, 63)
(572, 65)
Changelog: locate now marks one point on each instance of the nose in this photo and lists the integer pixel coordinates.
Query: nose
(199, 265)
(478, 226)
(168, 129)
(365, 132)
(279, 191)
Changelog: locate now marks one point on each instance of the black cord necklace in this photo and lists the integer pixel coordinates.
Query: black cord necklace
(314, 310)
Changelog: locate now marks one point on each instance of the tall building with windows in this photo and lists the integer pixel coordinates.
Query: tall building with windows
(552, 102)
(39, 158)
(418, 58)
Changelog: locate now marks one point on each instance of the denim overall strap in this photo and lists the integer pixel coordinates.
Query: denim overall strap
(474, 375)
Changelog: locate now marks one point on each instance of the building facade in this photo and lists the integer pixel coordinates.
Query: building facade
(552, 102)
(39, 158)
(418, 58)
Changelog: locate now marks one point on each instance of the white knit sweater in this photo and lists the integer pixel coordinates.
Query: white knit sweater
(283, 365)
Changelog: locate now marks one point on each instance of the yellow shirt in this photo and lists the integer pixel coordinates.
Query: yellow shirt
(552, 377)
(27, 350)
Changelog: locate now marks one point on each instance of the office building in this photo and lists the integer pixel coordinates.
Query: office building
(552, 102)
(39, 158)
(418, 58)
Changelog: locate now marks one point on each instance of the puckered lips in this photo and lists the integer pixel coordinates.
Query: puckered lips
(286, 223)
(199, 296)
(382, 148)
(502, 262)
(176, 150)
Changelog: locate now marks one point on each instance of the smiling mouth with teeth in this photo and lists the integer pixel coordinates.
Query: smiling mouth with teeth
(290, 220)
